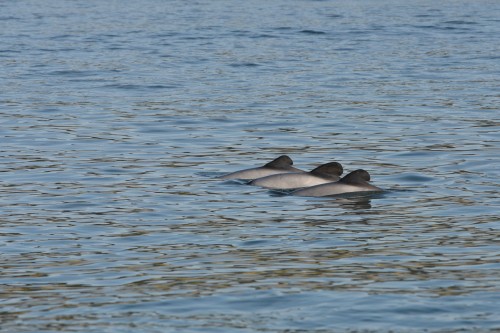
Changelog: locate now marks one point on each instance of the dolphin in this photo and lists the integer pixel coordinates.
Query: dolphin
(325, 173)
(356, 181)
(282, 164)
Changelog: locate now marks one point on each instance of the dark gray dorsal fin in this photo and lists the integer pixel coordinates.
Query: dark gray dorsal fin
(329, 169)
(281, 162)
(359, 176)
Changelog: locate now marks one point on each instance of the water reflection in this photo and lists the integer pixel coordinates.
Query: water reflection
(355, 202)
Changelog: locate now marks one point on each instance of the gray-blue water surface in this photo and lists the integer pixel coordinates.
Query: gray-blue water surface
(117, 116)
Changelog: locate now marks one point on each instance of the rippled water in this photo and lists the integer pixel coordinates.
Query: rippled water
(117, 116)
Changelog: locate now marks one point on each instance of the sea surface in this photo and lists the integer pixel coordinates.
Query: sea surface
(117, 117)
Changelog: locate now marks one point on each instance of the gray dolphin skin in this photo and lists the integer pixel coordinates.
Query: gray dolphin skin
(356, 181)
(325, 173)
(282, 164)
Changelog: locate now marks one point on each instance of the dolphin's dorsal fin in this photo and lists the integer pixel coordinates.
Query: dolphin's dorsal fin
(332, 169)
(281, 162)
(359, 176)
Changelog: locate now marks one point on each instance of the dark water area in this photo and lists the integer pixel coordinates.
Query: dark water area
(116, 117)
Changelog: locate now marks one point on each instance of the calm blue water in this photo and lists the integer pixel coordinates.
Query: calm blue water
(117, 116)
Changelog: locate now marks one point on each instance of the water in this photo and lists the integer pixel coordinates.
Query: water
(117, 116)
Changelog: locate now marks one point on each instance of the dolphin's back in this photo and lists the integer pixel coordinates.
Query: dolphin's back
(282, 164)
(356, 181)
